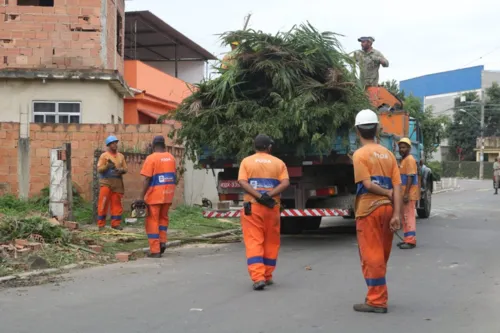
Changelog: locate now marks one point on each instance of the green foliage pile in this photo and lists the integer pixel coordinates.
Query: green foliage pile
(13, 227)
(299, 87)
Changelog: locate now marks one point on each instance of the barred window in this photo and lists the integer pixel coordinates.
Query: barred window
(57, 112)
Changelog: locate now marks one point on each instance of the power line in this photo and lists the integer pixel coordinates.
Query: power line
(481, 57)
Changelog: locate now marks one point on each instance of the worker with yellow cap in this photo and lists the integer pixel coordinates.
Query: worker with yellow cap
(411, 194)
(228, 59)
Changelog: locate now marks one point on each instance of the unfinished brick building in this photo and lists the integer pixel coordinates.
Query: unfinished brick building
(61, 61)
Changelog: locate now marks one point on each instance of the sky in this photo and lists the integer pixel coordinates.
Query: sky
(420, 38)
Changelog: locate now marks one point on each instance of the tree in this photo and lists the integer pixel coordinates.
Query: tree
(465, 127)
(432, 127)
(393, 87)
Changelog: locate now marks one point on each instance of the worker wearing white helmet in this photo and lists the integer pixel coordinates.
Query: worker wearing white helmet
(378, 209)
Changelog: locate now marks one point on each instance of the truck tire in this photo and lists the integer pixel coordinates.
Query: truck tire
(426, 204)
(291, 226)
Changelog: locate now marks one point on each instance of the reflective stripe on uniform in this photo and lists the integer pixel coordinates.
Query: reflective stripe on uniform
(167, 178)
(382, 181)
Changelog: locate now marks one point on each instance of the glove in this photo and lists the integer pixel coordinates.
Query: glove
(267, 201)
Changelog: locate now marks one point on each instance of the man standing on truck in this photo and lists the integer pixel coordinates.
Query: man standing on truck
(369, 61)
(263, 177)
(159, 171)
(111, 167)
(411, 194)
(378, 209)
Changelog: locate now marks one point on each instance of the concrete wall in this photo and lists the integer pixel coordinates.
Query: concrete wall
(99, 100)
(189, 71)
(199, 184)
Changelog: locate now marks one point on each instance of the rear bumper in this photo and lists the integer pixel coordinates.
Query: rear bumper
(313, 212)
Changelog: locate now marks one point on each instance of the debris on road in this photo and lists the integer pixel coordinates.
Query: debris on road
(308, 268)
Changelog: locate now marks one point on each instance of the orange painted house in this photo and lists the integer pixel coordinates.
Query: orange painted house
(157, 93)
(159, 60)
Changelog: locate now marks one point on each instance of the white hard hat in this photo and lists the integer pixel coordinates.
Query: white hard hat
(365, 117)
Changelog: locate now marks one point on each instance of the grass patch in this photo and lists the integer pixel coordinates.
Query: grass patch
(189, 221)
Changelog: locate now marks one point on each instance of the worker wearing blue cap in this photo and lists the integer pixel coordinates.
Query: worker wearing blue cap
(369, 61)
(111, 167)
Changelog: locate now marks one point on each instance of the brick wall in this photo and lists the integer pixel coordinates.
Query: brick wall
(66, 36)
(85, 139)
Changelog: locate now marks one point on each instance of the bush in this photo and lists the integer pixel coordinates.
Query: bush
(437, 170)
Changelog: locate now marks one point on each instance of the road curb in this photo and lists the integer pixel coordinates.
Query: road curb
(41, 272)
(445, 190)
(178, 243)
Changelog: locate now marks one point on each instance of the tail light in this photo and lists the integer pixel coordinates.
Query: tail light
(324, 192)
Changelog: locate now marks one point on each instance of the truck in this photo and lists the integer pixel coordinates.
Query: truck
(323, 186)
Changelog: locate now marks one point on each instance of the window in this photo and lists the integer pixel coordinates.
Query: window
(57, 112)
(40, 3)
(119, 33)
(119, 120)
(112, 119)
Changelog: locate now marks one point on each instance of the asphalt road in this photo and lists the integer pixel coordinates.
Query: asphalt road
(450, 283)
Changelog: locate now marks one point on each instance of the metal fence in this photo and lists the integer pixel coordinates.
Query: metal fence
(466, 169)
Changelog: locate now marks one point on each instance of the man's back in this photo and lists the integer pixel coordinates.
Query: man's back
(375, 163)
(161, 168)
(263, 172)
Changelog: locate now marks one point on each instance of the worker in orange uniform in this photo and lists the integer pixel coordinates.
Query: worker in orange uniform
(159, 171)
(411, 193)
(378, 209)
(111, 167)
(263, 177)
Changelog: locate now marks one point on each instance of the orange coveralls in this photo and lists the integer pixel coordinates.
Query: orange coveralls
(161, 169)
(111, 189)
(373, 215)
(409, 168)
(261, 229)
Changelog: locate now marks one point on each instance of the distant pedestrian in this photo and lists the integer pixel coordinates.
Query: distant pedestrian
(378, 209)
(496, 175)
(424, 173)
(411, 194)
(160, 179)
(111, 168)
(263, 177)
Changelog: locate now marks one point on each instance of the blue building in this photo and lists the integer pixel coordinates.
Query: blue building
(439, 91)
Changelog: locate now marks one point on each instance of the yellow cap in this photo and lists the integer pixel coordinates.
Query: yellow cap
(235, 43)
(405, 140)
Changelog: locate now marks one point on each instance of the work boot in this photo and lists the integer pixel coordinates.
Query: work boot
(118, 227)
(163, 247)
(154, 255)
(407, 246)
(368, 308)
(269, 282)
(260, 285)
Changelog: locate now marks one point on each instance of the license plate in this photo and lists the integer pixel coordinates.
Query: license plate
(229, 184)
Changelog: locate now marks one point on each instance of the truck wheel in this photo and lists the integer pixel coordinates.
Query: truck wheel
(426, 204)
(291, 225)
(311, 223)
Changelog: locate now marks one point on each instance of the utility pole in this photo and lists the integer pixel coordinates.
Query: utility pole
(481, 153)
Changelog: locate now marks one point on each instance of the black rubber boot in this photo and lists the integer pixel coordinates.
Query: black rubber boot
(407, 246)
(368, 308)
(163, 247)
(154, 255)
(260, 285)
(269, 282)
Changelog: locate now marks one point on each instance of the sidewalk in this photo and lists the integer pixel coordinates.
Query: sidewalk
(445, 185)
